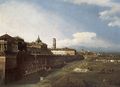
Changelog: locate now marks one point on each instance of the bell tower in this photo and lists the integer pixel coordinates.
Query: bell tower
(54, 43)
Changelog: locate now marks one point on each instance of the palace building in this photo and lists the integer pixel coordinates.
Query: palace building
(19, 58)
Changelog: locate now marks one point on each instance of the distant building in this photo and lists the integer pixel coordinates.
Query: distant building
(38, 47)
(37, 44)
(63, 51)
(54, 43)
(88, 54)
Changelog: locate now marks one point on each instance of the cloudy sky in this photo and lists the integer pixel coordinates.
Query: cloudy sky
(75, 23)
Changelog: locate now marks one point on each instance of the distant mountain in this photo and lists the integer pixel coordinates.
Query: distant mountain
(98, 49)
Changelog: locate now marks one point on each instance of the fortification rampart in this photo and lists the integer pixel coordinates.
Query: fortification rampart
(22, 64)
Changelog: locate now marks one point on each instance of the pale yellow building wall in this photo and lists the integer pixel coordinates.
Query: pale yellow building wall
(2, 67)
(63, 52)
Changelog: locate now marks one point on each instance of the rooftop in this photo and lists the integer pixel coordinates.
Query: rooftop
(7, 38)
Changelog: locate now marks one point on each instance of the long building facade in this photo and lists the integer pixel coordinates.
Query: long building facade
(19, 58)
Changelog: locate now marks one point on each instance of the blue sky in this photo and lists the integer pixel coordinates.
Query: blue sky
(77, 23)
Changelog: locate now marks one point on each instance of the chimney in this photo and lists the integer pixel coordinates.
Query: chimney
(54, 43)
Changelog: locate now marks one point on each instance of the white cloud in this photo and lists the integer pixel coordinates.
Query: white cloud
(87, 39)
(112, 16)
(27, 20)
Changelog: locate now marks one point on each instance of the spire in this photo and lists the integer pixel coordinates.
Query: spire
(38, 39)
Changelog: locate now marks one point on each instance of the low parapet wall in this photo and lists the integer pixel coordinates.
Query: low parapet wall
(60, 61)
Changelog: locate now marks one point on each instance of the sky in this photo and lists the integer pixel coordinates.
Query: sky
(74, 23)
